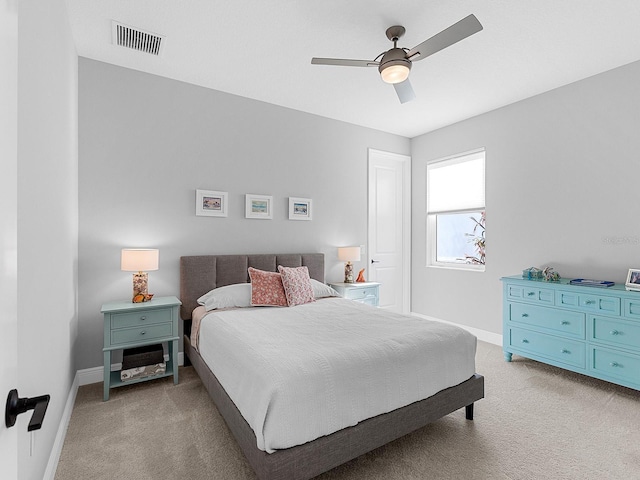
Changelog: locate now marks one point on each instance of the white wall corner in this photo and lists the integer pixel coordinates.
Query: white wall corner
(483, 335)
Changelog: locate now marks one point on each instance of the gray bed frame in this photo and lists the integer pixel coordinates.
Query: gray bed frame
(200, 274)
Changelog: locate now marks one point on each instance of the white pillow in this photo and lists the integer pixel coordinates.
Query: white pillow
(238, 295)
(320, 290)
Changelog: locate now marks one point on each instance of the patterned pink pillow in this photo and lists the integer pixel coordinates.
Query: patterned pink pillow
(297, 285)
(266, 288)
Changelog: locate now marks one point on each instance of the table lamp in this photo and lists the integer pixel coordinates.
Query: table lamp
(348, 255)
(139, 260)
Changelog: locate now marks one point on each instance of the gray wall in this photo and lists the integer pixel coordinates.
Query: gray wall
(562, 175)
(47, 220)
(146, 144)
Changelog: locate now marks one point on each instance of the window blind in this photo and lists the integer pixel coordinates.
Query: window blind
(456, 184)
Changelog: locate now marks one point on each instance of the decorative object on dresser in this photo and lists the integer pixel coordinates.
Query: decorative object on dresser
(139, 260)
(348, 255)
(361, 278)
(299, 208)
(258, 206)
(210, 203)
(595, 332)
(363, 292)
(633, 280)
(128, 325)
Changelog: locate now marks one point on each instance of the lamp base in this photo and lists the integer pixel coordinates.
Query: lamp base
(140, 284)
(348, 272)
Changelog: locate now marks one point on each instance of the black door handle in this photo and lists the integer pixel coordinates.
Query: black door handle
(375, 261)
(16, 406)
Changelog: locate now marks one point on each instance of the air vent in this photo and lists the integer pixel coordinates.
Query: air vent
(130, 37)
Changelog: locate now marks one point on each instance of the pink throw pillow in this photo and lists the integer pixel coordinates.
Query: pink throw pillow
(297, 285)
(266, 288)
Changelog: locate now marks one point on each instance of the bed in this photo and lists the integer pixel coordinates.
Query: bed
(199, 275)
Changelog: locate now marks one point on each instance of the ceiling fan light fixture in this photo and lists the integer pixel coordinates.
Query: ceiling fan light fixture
(394, 66)
(394, 73)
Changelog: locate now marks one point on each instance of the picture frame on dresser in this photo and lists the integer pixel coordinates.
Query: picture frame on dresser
(258, 206)
(210, 203)
(300, 208)
(633, 280)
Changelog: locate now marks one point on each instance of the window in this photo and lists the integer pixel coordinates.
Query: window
(456, 211)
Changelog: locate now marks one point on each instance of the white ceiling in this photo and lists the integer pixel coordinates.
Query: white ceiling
(262, 50)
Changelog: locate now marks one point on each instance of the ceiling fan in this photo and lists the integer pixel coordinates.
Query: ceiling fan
(394, 64)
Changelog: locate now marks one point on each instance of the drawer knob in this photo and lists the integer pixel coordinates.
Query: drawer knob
(614, 364)
(143, 317)
(531, 294)
(524, 340)
(614, 332)
(525, 314)
(142, 332)
(565, 322)
(564, 350)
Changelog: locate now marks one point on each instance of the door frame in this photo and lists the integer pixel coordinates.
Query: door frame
(406, 218)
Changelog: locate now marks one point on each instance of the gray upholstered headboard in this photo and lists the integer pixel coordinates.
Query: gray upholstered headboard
(202, 273)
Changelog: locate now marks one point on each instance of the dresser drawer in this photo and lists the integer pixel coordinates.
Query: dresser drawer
(611, 363)
(141, 334)
(558, 321)
(589, 302)
(632, 308)
(615, 332)
(560, 349)
(532, 294)
(139, 319)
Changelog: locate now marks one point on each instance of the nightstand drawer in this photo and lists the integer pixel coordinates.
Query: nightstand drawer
(360, 293)
(139, 319)
(141, 334)
(556, 348)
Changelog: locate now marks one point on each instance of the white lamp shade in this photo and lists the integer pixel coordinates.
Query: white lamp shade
(139, 259)
(349, 254)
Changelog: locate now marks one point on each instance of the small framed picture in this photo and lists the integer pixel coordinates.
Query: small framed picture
(258, 206)
(633, 280)
(299, 208)
(211, 204)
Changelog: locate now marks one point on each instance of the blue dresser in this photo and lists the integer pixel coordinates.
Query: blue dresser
(589, 330)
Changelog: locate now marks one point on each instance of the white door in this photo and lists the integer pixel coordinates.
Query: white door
(8, 226)
(390, 228)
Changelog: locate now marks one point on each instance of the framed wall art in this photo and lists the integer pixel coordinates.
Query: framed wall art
(299, 208)
(211, 204)
(258, 206)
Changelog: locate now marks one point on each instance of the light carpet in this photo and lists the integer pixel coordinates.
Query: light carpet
(536, 422)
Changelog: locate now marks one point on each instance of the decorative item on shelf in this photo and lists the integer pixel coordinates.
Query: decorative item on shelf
(139, 260)
(348, 255)
(550, 275)
(360, 278)
(633, 280)
(584, 282)
(532, 272)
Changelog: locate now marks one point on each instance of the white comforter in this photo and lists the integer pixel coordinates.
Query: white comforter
(302, 372)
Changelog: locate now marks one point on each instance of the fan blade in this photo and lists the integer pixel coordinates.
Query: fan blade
(405, 91)
(456, 32)
(343, 62)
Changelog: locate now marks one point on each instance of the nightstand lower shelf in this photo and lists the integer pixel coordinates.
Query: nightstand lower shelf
(115, 380)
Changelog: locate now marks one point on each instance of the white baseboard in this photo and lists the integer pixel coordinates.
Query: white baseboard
(56, 450)
(485, 336)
